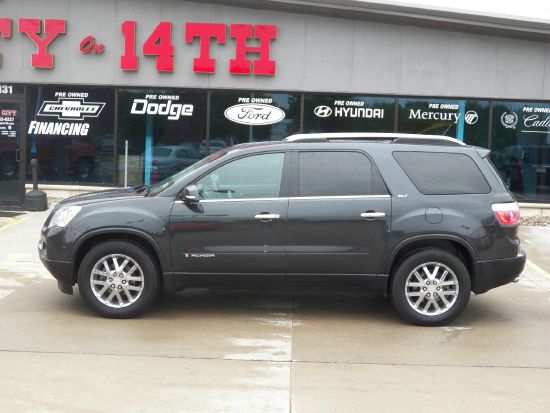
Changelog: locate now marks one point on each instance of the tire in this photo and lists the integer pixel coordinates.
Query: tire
(419, 300)
(136, 284)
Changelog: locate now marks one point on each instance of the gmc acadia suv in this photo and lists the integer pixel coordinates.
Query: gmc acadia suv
(424, 219)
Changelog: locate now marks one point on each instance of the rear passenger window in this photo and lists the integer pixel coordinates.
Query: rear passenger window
(437, 173)
(338, 174)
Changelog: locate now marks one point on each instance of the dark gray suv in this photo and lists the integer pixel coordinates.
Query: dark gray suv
(425, 219)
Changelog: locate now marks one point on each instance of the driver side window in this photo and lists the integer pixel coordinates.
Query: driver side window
(257, 176)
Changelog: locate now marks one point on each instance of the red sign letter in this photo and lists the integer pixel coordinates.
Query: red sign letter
(129, 60)
(241, 33)
(160, 44)
(204, 31)
(52, 28)
(5, 32)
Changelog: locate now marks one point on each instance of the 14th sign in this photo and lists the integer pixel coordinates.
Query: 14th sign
(159, 44)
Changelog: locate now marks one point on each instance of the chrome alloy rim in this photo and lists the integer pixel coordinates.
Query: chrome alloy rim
(117, 280)
(431, 288)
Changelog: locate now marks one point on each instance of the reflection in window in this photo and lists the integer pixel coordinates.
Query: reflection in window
(165, 129)
(338, 174)
(71, 133)
(251, 177)
(347, 113)
(238, 117)
(465, 120)
(521, 148)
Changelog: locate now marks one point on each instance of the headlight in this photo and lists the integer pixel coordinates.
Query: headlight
(63, 216)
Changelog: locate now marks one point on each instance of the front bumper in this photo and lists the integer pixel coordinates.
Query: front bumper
(494, 273)
(63, 271)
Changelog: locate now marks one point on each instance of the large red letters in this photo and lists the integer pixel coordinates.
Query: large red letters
(159, 44)
(52, 28)
(241, 33)
(204, 31)
(5, 32)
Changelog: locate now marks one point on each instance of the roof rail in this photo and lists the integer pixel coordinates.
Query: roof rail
(414, 139)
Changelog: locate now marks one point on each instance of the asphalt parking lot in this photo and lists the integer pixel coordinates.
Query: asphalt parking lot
(267, 351)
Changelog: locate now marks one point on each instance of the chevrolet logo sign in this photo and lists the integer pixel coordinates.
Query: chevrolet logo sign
(71, 109)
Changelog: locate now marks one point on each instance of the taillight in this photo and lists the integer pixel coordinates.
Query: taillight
(507, 214)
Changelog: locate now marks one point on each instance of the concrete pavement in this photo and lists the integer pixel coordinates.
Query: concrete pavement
(267, 351)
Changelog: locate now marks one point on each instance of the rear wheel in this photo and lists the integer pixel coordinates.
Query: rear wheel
(118, 279)
(431, 287)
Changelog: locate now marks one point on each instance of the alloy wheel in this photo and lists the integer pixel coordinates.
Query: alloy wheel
(431, 288)
(117, 280)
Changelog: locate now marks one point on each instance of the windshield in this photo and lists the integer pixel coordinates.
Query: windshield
(161, 152)
(162, 185)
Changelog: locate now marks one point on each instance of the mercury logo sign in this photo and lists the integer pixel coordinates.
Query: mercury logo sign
(471, 117)
(71, 109)
(322, 111)
(254, 114)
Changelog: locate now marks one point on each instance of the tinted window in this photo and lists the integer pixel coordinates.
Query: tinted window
(348, 113)
(240, 117)
(435, 173)
(521, 148)
(153, 121)
(251, 177)
(73, 145)
(338, 174)
(465, 120)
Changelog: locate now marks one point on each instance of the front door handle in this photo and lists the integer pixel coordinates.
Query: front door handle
(18, 155)
(264, 216)
(372, 214)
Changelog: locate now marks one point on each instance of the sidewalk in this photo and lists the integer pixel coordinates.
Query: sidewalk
(19, 262)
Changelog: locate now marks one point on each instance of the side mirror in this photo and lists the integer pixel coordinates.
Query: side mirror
(191, 193)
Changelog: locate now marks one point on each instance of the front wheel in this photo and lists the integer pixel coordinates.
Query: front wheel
(431, 287)
(118, 279)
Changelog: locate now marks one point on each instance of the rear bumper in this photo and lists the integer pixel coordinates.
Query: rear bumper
(494, 273)
(62, 271)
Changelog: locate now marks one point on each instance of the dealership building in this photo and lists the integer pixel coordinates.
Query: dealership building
(113, 93)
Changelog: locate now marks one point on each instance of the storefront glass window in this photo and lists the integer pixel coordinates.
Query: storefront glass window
(238, 117)
(71, 133)
(521, 148)
(465, 120)
(339, 113)
(165, 130)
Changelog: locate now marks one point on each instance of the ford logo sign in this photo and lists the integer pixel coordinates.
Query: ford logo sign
(254, 114)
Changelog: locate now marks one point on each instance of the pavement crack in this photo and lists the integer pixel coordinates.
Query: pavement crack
(313, 362)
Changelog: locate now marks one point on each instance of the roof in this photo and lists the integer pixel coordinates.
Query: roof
(442, 18)
(369, 136)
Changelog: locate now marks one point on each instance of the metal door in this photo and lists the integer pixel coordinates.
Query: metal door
(12, 152)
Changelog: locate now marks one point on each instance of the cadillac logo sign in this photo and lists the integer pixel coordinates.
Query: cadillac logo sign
(71, 109)
(254, 114)
(509, 120)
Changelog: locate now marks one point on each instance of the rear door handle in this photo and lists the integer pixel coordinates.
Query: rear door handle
(373, 214)
(265, 216)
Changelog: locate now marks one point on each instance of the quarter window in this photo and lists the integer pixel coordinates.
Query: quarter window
(256, 176)
(338, 174)
(435, 173)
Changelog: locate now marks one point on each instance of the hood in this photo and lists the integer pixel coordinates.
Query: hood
(110, 194)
